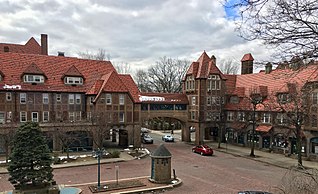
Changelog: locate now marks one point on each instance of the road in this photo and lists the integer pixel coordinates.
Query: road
(220, 173)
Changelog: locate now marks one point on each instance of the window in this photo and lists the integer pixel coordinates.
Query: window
(9, 115)
(283, 98)
(71, 98)
(266, 118)
(73, 80)
(2, 117)
(234, 99)
(58, 116)
(214, 82)
(281, 119)
(193, 100)
(230, 116)
(192, 115)
(108, 99)
(315, 98)
(22, 98)
(313, 120)
(45, 116)
(91, 100)
(45, 98)
(8, 96)
(89, 116)
(190, 83)
(58, 97)
(34, 78)
(71, 116)
(78, 98)
(35, 117)
(121, 117)
(78, 116)
(208, 101)
(241, 116)
(23, 116)
(121, 99)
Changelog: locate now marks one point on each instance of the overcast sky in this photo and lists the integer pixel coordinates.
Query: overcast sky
(137, 32)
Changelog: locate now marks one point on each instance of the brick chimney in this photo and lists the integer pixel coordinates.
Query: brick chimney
(44, 46)
(268, 68)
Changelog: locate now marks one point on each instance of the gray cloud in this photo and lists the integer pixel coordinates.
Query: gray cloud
(137, 32)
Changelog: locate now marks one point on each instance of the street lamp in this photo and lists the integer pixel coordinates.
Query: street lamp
(98, 154)
(255, 100)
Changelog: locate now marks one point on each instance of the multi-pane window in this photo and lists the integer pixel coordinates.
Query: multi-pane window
(22, 98)
(23, 116)
(8, 96)
(45, 98)
(214, 82)
(230, 116)
(234, 99)
(45, 116)
(121, 99)
(2, 117)
(281, 119)
(190, 83)
(108, 99)
(193, 100)
(121, 117)
(34, 78)
(315, 98)
(284, 97)
(241, 116)
(73, 80)
(78, 116)
(71, 98)
(35, 117)
(58, 97)
(71, 116)
(313, 120)
(192, 115)
(266, 118)
(78, 98)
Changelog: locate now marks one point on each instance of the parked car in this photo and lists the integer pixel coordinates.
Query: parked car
(253, 192)
(146, 138)
(203, 150)
(168, 138)
(144, 130)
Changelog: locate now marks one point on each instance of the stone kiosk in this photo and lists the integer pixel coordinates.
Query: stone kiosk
(161, 165)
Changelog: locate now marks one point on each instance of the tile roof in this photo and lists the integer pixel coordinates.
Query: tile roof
(72, 71)
(31, 47)
(203, 67)
(247, 57)
(263, 128)
(12, 65)
(33, 69)
(131, 85)
(169, 98)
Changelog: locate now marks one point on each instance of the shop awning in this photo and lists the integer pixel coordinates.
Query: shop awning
(238, 125)
(264, 128)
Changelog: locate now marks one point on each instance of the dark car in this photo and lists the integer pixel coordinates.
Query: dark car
(203, 150)
(146, 138)
(253, 192)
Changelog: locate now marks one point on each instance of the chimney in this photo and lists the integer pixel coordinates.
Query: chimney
(268, 68)
(44, 44)
(60, 54)
(247, 64)
(213, 59)
(6, 49)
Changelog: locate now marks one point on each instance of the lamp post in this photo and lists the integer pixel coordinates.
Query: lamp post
(98, 153)
(256, 99)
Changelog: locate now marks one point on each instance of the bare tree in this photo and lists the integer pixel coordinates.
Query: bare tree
(166, 76)
(229, 67)
(289, 25)
(99, 55)
(141, 79)
(100, 129)
(122, 67)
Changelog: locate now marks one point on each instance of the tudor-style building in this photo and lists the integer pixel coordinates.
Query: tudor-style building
(220, 103)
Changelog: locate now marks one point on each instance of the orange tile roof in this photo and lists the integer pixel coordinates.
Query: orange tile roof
(169, 98)
(264, 128)
(12, 65)
(31, 47)
(33, 69)
(131, 85)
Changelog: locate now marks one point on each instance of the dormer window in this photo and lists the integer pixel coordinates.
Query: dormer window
(33, 78)
(283, 98)
(73, 80)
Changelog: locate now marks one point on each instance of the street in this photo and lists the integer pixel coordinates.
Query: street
(220, 173)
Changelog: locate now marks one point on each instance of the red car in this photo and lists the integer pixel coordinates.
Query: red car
(203, 150)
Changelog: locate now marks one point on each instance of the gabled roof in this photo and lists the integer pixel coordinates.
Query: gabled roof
(247, 57)
(203, 67)
(31, 47)
(72, 71)
(131, 85)
(13, 65)
(33, 69)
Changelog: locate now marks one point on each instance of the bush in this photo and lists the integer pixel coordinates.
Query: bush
(114, 153)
